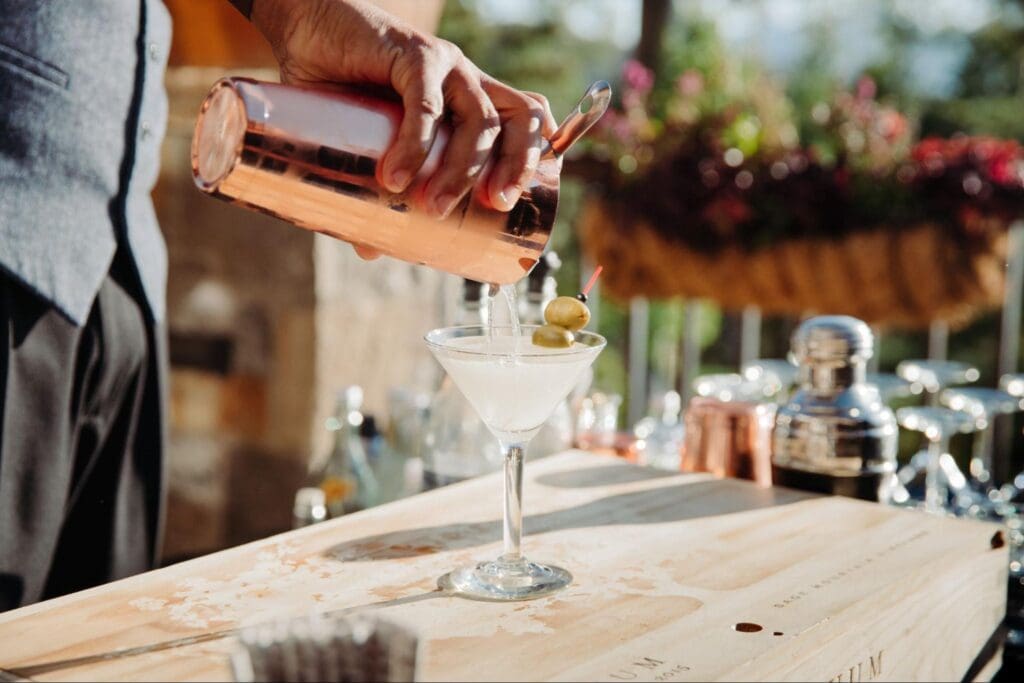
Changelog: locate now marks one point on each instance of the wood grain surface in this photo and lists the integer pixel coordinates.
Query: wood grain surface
(666, 566)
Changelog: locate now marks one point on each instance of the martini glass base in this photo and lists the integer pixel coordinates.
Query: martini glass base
(506, 580)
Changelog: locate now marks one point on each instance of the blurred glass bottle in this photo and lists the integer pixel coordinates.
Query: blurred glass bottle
(660, 434)
(456, 443)
(310, 507)
(387, 463)
(345, 475)
(541, 287)
(408, 411)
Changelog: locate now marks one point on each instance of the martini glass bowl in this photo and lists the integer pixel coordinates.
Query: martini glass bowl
(514, 386)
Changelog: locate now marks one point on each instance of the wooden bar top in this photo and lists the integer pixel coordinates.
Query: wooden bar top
(666, 567)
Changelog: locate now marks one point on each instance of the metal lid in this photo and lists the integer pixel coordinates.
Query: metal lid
(831, 338)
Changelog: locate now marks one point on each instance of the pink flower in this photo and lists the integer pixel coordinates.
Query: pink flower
(690, 83)
(892, 125)
(637, 76)
(866, 88)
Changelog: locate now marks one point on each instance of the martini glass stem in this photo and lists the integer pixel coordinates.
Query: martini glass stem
(981, 460)
(935, 489)
(513, 526)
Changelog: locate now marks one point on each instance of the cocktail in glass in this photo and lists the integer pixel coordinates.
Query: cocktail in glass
(514, 386)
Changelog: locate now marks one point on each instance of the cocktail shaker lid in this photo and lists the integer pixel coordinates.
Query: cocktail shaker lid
(830, 338)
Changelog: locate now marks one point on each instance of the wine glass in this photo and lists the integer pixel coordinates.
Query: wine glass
(930, 377)
(984, 405)
(514, 386)
(734, 387)
(938, 425)
(1013, 384)
(890, 387)
(773, 372)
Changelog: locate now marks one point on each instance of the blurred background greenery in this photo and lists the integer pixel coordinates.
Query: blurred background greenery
(957, 68)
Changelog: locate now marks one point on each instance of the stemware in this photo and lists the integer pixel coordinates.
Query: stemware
(984, 499)
(930, 377)
(734, 387)
(890, 387)
(1013, 384)
(773, 372)
(514, 386)
(938, 425)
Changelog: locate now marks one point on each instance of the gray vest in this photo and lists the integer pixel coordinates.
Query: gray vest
(82, 114)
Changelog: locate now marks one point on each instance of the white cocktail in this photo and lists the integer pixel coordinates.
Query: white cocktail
(514, 386)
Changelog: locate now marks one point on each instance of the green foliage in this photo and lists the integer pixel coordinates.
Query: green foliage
(1002, 116)
(545, 57)
(994, 67)
(541, 57)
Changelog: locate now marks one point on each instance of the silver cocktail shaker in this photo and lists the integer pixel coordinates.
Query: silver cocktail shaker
(835, 435)
(310, 157)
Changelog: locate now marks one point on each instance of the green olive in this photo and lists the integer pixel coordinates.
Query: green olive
(568, 312)
(553, 336)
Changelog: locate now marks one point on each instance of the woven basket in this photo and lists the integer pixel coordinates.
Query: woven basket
(904, 276)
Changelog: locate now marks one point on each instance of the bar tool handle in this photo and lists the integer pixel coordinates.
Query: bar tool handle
(595, 101)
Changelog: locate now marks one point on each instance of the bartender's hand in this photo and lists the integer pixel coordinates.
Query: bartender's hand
(352, 41)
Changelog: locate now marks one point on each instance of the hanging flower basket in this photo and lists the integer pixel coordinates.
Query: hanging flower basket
(709, 191)
(906, 276)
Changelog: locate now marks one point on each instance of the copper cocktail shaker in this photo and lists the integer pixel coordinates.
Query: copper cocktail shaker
(729, 438)
(310, 157)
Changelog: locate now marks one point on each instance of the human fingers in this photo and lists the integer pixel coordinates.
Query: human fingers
(523, 120)
(417, 75)
(475, 126)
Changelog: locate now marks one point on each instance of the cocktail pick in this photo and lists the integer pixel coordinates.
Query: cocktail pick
(582, 296)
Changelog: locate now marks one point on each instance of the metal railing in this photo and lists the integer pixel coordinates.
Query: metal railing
(639, 367)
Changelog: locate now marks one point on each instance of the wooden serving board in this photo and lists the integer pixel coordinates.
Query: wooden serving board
(666, 566)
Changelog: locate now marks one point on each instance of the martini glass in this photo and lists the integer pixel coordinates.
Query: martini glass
(514, 386)
(938, 425)
(890, 387)
(730, 387)
(930, 377)
(984, 405)
(1013, 384)
(771, 372)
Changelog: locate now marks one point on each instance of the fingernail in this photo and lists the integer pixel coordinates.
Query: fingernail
(444, 204)
(508, 197)
(399, 180)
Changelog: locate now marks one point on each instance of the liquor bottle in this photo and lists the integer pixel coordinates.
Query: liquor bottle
(345, 475)
(456, 443)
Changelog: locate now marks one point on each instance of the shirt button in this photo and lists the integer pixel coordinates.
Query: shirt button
(154, 52)
(146, 130)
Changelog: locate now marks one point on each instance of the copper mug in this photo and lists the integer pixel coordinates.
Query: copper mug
(310, 158)
(729, 439)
